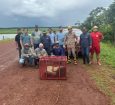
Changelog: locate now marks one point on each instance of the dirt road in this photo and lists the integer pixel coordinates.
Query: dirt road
(22, 86)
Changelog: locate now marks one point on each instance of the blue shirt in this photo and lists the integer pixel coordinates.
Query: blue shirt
(45, 39)
(58, 51)
(25, 39)
(85, 40)
(36, 37)
(52, 36)
(60, 38)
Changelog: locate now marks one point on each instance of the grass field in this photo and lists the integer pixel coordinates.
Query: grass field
(104, 75)
(108, 54)
(13, 30)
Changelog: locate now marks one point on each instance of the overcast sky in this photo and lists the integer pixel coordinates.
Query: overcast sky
(15, 13)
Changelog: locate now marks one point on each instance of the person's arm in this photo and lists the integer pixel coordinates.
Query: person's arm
(31, 41)
(33, 52)
(80, 40)
(32, 38)
(76, 39)
(16, 42)
(21, 38)
(101, 37)
(45, 53)
(41, 39)
(50, 41)
(65, 40)
(90, 40)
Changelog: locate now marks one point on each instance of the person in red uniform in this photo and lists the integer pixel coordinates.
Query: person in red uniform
(96, 37)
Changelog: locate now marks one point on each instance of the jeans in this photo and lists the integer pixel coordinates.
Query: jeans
(63, 49)
(19, 50)
(30, 59)
(85, 53)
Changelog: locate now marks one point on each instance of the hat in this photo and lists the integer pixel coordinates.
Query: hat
(95, 27)
(69, 27)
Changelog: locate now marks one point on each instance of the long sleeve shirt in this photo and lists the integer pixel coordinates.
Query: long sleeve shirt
(85, 40)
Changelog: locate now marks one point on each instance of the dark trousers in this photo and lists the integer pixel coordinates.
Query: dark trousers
(63, 50)
(36, 61)
(85, 53)
(48, 50)
(19, 51)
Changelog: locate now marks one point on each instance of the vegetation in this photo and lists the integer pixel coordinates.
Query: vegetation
(105, 19)
(108, 54)
(104, 77)
(14, 30)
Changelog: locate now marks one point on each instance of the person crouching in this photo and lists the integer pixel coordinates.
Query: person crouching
(57, 50)
(27, 55)
(40, 52)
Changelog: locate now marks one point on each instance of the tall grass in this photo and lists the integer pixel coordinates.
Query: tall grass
(108, 54)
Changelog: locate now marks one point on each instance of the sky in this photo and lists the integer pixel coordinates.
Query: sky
(23, 13)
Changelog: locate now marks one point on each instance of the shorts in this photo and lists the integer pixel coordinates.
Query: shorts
(95, 49)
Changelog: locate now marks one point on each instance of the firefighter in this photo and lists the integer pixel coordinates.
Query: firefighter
(96, 37)
(70, 41)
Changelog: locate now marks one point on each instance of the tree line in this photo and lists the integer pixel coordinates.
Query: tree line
(104, 18)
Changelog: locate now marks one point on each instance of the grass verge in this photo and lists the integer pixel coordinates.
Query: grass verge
(105, 75)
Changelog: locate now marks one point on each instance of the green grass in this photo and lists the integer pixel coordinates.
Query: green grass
(108, 54)
(14, 30)
(104, 81)
(104, 75)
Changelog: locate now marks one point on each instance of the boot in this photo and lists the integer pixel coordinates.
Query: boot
(84, 60)
(68, 60)
(75, 61)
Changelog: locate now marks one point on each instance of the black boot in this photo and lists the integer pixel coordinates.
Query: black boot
(84, 62)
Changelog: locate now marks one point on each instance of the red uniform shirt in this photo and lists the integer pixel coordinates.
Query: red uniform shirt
(96, 38)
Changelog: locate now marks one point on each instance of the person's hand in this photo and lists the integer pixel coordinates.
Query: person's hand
(64, 46)
(90, 46)
(22, 47)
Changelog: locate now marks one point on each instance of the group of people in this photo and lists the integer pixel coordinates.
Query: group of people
(51, 43)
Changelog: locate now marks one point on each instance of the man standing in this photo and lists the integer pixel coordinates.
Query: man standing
(60, 38)
(36, 37)
(70, 41)
(96, 37)
(45, 39)
(17, 40)
(85, 44)
(52, 36)
(25, 38)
